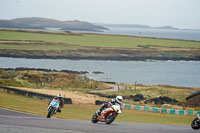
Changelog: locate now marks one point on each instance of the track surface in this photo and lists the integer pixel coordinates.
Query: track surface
(18, 122)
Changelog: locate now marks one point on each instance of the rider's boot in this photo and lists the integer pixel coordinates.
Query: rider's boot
(59, 110)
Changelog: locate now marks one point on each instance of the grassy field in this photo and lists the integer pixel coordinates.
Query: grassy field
(41, 44)
(98, 40)
(37, 45)
(85, 111)
(153, 91)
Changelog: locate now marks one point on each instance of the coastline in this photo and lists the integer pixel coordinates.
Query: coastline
(150, 72)
(86, 46)
(104, 58)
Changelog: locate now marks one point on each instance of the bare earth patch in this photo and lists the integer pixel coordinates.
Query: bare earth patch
(77, 97)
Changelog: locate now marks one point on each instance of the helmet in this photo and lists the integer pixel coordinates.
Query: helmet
(59, 95)
(119, 99)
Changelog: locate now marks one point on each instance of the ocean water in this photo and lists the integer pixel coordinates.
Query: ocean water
(157, 33)
(178, 73)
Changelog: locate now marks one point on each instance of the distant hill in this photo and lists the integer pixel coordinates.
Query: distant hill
(165, 27)
(79, 25)
(42, 23)
(11, 24)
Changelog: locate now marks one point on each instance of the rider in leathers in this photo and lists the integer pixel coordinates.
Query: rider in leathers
(61, 102)
(115, 101)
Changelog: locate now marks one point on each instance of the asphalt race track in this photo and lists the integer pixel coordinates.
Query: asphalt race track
(18, 122)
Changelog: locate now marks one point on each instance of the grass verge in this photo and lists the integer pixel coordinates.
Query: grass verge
(85, 111)
(153, 91)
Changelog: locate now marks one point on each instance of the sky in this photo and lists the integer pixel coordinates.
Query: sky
(184, 14)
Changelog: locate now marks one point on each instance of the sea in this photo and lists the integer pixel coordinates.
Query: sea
(175, 73)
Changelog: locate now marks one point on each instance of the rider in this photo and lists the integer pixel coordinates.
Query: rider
(115, 101)
(61, 102)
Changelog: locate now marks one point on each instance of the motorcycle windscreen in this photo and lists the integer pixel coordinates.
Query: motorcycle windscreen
(55, 104)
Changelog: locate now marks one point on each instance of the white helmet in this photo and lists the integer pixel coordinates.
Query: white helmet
(119, 99)
(59, 95)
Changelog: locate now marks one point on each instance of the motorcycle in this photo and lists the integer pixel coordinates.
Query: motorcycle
(52, 108)
(108, 115)
(196, 123)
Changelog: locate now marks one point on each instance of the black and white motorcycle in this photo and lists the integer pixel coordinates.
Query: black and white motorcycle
(196, 123)
(52, 108)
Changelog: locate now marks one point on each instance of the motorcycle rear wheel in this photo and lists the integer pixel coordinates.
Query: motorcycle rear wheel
(195, 124)
(110, 117)
(94, 118)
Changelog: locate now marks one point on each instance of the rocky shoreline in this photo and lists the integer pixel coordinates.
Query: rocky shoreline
(113, 58)
(52, 70)
(46, 70)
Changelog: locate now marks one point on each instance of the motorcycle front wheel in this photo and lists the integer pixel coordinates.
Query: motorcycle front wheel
(50, 112)
(94, 118)
(195, 124)
(110, 117)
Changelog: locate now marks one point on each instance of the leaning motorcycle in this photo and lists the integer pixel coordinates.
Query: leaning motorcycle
(196, 123)
(108, 115)
(52, 108)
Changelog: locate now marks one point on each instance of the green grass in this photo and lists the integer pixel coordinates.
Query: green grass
(85, 112)
(33, 47)
(153, 91)
(98, 40)
(51, 80)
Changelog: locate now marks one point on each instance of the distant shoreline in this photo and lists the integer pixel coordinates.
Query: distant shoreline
(87, 46)
(106, 58)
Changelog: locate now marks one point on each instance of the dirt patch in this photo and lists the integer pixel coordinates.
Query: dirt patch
(77, 97)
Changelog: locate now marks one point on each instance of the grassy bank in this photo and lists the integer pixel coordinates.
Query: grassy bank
(85, 111)
(48, 80)
(153, 91)
(45, 82)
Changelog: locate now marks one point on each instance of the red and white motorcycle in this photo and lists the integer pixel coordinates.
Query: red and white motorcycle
(108, 115)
